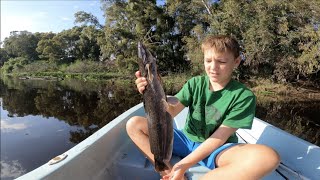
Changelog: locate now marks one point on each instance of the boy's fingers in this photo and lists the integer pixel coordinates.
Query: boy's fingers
(138, 74)
(141, 80)
(167, 176)
(141, 89)
(137, 81)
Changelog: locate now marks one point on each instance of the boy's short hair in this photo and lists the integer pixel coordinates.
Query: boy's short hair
(221, 43)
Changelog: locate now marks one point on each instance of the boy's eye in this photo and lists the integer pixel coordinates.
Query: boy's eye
(222, 62)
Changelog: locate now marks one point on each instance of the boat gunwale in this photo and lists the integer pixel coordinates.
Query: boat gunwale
(46, 169)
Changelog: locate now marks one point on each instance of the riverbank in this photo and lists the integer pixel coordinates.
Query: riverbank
(265, 89)
(268, 91)
(63, 75)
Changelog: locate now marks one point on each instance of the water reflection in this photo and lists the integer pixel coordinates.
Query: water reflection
(46, 118)
(7, 127)
(11, 169)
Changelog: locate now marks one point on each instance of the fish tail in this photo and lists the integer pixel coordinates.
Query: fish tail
(160, 165)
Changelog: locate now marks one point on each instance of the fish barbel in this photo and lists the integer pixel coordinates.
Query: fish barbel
(160, 123)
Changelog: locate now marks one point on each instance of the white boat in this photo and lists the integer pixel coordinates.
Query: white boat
(110, 154)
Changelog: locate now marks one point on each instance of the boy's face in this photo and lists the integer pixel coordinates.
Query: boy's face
(219, 66)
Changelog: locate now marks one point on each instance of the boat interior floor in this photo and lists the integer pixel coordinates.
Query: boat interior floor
(132, 164)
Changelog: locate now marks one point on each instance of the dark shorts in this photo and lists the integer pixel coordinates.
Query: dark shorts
(182, 146)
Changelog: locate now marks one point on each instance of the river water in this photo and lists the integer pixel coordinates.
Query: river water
(41, 119)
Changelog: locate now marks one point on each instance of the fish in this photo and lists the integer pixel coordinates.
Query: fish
(160, 122)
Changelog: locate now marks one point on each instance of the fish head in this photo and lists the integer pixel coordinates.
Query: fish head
(144, 54)
(147, 62)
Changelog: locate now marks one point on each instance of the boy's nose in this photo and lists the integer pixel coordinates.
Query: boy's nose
(213, 65)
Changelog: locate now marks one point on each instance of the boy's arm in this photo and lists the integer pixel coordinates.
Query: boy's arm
(217, 139)
(174, 106)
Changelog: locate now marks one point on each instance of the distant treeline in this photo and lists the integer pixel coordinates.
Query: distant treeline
(279, 39)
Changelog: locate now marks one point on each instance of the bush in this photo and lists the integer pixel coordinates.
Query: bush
(84, 67)
(14, 64)
(41, 66)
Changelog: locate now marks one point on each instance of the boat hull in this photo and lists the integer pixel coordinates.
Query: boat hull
(110, 154)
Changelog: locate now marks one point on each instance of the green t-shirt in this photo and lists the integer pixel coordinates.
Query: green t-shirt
(233, 106)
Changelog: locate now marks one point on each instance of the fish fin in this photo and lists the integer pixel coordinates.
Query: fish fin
(159, 165)
(165, 104)
(150, 75)
(159, 78)
(172, 100)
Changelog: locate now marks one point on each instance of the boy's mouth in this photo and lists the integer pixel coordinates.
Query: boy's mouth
(213, 74)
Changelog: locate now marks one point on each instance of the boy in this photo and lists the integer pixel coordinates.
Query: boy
(218, 106)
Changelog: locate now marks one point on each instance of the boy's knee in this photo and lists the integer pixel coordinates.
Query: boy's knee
(134, 123)
(130, 123)
(274, 158)
(271, 157)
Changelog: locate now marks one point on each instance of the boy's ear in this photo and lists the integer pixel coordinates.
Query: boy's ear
(237, 61)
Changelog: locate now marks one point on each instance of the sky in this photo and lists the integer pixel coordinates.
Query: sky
(44, 15)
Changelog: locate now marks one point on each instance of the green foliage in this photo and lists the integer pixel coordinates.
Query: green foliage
(3, 56)
(47, 47)
(14, 65)
(88, 44)
(309, 60)
(86, 18)
(84, 67)
(41, 66)
(22, 44)
(289, 21)
(21, 65)
(172, 83)
(131, 21)
(126, 24)
(279, 39)
(76, 43)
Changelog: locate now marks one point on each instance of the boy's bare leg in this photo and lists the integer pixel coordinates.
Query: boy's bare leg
(245, 161)
(137, 129)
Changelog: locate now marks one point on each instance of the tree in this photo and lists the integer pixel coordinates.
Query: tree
(92, 36)
(61, 47)
(86, 18)
(89, 48)
(131, 21)
(279, 38)
(21, 44)
(3, 56)
(126, 24)
(191, 21)
(47, 48)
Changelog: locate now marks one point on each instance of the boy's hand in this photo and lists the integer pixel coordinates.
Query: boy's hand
(177, 173)
(141, 82)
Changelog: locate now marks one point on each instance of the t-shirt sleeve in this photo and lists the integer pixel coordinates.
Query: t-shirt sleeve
(185, 94)
(242, 113)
